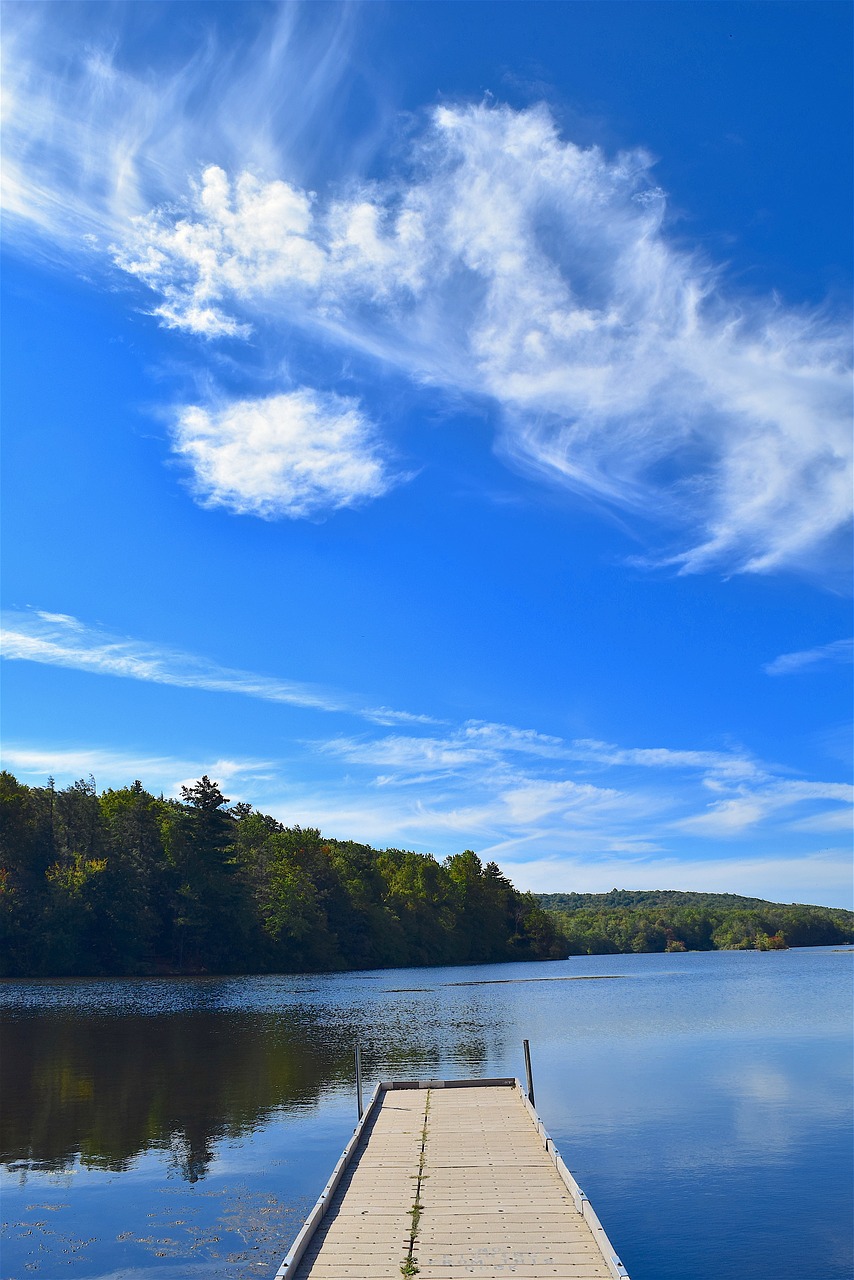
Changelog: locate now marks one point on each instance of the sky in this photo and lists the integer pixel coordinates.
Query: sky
(433, 422)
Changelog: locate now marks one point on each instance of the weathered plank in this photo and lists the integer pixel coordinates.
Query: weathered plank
(450, 1182)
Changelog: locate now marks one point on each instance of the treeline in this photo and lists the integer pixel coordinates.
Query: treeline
(129, 883)
(669, 920)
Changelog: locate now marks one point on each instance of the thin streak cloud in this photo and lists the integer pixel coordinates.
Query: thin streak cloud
(823, 655)
(823, 876)
(58, 640)
(750, 807)
(487, 782)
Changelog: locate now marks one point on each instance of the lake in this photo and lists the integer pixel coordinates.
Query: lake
(158, 1129)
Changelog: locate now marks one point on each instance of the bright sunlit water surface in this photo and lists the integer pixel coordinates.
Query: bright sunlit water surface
(171, 1128)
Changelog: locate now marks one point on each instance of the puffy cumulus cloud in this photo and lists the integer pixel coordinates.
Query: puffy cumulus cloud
(252, 241)
(512, 263)
(295, 454)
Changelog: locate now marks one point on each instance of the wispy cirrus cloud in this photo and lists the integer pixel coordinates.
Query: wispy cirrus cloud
(481, 741)
(504, 262)
(823, 876)
(548, 831)
(484, 783)
(120, 767)
(714, 766)
(295, 454)
(551, 826)
(105, 117)
(751, 806)
(523, 788)
(521, 267)
(475, 742)
(823, 655)
(55, 639)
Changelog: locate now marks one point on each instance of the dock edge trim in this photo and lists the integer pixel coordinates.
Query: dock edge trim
(582, 1204)
(294, 1255)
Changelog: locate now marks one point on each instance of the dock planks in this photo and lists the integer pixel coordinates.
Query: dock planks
(444, 1183)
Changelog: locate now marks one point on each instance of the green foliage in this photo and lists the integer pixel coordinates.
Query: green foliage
(647, 898)
(125, 883)
(668, 920)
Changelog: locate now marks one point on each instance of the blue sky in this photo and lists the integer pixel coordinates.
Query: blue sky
(434, 422)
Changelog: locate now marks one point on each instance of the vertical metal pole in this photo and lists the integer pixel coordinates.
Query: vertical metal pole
(527, 1049)
(358, 1063)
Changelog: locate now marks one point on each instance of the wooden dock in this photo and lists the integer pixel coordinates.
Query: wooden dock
(446, 1179)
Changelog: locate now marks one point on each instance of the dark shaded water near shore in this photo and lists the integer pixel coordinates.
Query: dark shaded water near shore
(167, 1128)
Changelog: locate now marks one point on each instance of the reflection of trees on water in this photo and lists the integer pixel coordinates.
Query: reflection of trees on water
(105, 1089)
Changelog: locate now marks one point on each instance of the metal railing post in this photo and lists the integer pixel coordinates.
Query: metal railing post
(530, 1077)
(358, 1064)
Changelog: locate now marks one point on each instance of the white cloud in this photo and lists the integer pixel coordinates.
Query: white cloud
(823, 655)
(815, 877)
(504, 737)
(505, 262)
(95, 134)
(117, 768)
(548, 826)
(532, 801)
(750, 807)
(826, 820)
(56, 639)
(546, 835)
(64, 620)
(516, 791)
(294, 454)
(479, 812)
(522, 267)
(717, 766)
(474, 743)
(482, 784)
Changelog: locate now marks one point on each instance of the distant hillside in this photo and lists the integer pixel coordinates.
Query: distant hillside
(627, 920)
(651, 898)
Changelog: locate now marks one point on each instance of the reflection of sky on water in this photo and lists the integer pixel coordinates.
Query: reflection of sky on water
(757, 1102)
(704, 1098)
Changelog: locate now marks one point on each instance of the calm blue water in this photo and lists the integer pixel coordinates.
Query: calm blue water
(179, 1127)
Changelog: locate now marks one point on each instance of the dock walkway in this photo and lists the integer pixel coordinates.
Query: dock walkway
(443, 1182)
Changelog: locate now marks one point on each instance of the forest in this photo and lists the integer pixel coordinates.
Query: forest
(125, 882)
(129, 883)
(669, 920)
